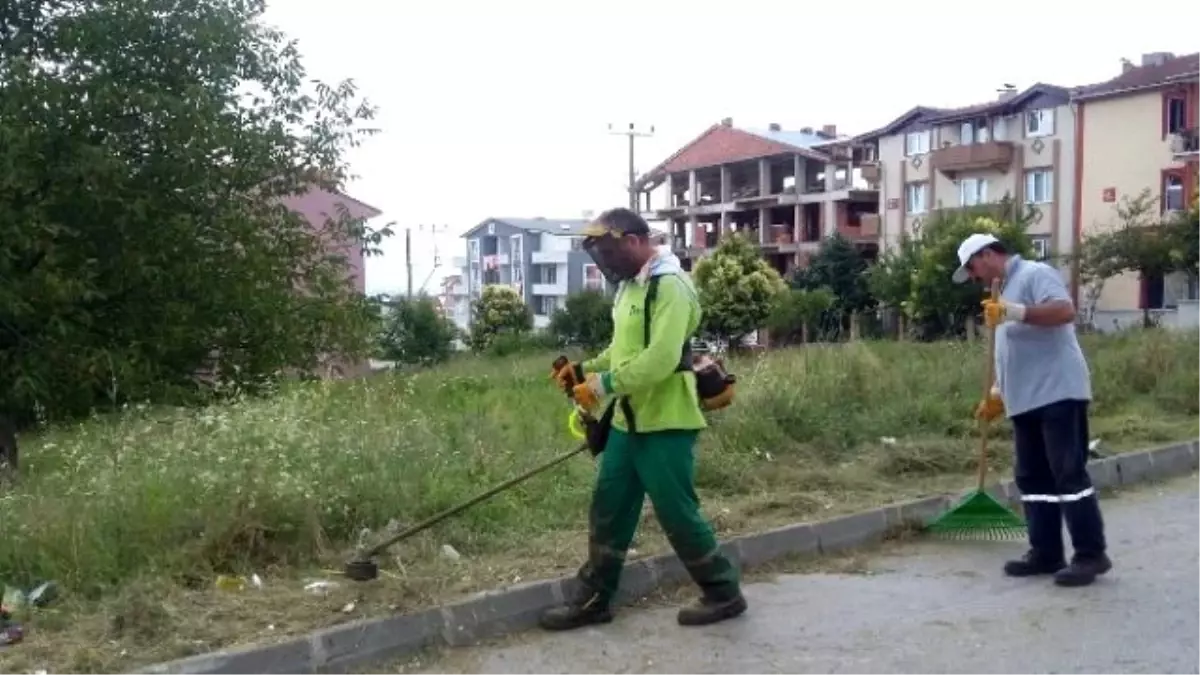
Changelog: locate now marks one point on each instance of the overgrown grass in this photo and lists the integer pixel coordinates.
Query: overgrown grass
(135, 514)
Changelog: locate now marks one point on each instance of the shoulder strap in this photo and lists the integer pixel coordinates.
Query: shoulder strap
(651, 296)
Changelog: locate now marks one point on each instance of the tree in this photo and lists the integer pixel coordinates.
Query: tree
(499, 311)
(1142, 241)
(145, 148)
(586, 320)
(795, 310)
(936, 304)
(736, 289)
(838, 267)
(416, 332)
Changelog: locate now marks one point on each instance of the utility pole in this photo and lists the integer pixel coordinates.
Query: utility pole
(632, 133)
(432, 229)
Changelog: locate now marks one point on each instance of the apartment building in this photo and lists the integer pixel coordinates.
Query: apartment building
(1138, 131)
(542, 258)
(786, 190)
(1022, 144)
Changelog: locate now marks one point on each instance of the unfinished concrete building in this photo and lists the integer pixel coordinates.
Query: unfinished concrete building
(786, 190)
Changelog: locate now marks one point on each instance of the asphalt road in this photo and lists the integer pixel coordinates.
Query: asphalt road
(926, 607)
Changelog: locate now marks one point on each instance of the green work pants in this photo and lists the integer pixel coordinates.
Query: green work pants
(659, 464)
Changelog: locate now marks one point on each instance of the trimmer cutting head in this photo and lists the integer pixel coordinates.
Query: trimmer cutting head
(361, 569)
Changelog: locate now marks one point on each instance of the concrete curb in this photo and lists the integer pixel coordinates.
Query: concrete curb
(489, 614)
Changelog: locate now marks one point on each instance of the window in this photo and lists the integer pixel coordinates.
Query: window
(914, 198)
(1000, 128)
(1041, 248)
(1039, 186)
(916, 143)
(592, 279)
(1173, 193)
(1039, 122)
(545, 305)
(972, 191)
(1176, 115)
(975, 131)
(516, 258)
(549, 274)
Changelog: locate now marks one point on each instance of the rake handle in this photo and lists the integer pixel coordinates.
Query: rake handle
(989, 379)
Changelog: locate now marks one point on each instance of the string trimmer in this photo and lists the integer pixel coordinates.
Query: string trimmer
(364, 567)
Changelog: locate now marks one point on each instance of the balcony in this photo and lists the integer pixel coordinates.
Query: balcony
(868, 225)
(494, 260)
(1185, 143)
(557, 288)
(553, 257)
(973, 157)
(870, 172)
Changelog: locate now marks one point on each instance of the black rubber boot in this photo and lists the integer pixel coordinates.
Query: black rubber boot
(707, 611)
(1032, 564)
(1083, 570)
(588, 611)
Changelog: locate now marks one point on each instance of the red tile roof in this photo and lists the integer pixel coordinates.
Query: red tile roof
(721, 144)
(1186, 67)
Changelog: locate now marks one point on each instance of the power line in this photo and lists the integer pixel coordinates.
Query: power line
(632, 132)
(432, 229)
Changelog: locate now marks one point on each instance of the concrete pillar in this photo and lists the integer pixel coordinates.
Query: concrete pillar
(726, 185)
(798, 171)
(764, 226)
(693, 189)
(698, 233)
(726, 224)
(828, 218)
(797, 222)
(764, 177)
(669, 184)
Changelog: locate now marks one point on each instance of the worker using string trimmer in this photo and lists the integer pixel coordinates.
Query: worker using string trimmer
(1042, 380)
(645, 437)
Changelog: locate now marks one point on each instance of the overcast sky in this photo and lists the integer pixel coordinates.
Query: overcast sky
(501, 108)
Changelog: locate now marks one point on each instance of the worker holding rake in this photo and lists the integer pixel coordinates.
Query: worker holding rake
(650, 427)
(1043, 383)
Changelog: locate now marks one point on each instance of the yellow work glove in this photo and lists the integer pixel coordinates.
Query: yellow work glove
(589, 393)
(990, 408)
(996, 312)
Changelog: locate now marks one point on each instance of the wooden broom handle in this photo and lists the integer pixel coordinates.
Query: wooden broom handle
(989, 379)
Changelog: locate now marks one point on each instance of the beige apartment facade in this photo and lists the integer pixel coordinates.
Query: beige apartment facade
(1021, 145)
(1138, 133)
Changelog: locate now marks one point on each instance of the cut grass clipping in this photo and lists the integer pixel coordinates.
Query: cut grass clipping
(136, 515)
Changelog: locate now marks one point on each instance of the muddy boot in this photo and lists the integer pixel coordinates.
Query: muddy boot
(709, 610)
(590, 609)
(1083, 570)
(1032, 564)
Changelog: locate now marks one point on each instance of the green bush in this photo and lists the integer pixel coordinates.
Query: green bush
(585, 320)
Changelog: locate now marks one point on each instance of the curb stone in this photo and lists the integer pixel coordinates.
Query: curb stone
(493, 613)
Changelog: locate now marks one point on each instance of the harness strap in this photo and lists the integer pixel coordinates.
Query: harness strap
(685, 356)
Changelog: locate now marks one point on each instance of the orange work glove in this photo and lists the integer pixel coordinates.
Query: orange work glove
(990, 408)
(589, 393)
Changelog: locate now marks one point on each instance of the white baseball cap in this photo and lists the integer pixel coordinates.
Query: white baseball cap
(969, 247)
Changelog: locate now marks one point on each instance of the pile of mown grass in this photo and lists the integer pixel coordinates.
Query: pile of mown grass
(167, 500)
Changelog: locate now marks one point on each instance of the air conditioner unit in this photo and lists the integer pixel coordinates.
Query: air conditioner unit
(1178, 143)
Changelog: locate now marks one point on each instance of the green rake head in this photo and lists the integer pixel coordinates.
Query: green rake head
(979, 516)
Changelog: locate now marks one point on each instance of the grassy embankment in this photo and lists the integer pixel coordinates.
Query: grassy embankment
(135, 514)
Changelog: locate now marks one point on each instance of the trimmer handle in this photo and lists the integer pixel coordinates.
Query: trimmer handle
(560, 363)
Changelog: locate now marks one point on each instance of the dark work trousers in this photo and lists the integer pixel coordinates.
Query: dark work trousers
(1051, 473)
